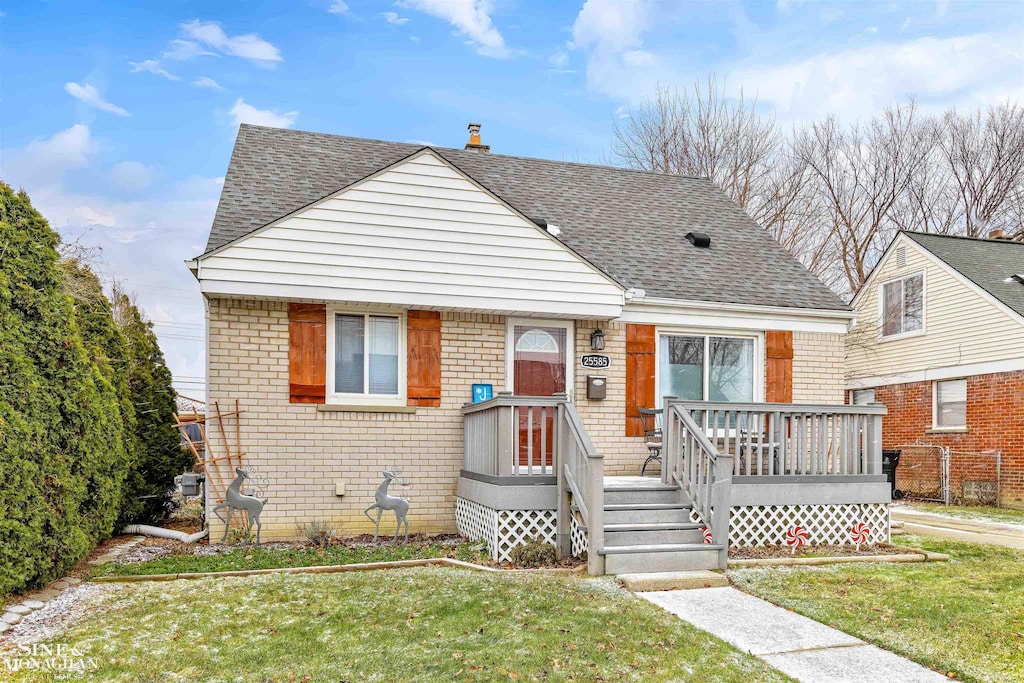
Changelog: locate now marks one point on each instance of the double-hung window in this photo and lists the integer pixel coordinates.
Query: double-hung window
(366, 356)
(903, 306)
(950, 403)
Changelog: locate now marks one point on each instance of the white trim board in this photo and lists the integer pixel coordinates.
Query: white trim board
(931, 374)
(735, 317)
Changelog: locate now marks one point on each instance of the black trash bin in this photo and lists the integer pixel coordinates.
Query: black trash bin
(890, 461)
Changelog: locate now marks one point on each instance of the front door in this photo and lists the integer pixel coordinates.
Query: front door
(539, 368)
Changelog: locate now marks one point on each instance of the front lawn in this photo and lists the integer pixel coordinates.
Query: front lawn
(965, 616)
(185, 561)
(978, 513)
(423, 624)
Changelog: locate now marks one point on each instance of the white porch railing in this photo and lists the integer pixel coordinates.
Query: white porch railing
(581, 473)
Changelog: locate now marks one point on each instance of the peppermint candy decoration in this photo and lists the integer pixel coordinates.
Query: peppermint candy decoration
(707, 535)
(860, 533)
(796, 536)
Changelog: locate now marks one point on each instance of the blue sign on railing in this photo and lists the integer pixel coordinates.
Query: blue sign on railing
(482, 392)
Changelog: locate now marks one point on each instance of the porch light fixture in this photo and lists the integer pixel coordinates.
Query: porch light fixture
(597, 340)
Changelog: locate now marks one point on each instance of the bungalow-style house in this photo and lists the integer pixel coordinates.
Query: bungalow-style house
(939, 340)
(490, 325)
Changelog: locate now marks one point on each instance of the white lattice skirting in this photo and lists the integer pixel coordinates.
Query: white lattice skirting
(577, 537)
(825, 524)
(503, 529)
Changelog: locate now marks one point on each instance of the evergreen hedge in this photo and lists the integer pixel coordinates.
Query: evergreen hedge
(71, 444)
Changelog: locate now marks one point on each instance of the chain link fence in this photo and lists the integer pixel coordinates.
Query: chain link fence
(954, 477)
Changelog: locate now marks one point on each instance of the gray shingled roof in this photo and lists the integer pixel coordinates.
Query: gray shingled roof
(630, 224)
(985, 262)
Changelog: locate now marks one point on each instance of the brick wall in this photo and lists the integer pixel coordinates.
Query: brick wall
(818, 367)
(995, 421)
(303, 451)
(606, 420)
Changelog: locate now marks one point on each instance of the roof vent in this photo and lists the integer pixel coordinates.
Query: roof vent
(699, 239)
(550, 228)
(1017, 277)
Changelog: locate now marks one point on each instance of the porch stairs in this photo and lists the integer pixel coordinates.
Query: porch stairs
(647, 528)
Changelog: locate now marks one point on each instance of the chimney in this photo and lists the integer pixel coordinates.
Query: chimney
(474, 139)
(996, 234)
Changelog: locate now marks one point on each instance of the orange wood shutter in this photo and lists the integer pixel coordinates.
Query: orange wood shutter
(778, 366)
(640, 368)
(424, 358)
(307, 353)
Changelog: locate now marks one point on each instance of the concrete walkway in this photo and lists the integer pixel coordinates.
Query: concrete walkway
(970, 530)
(793, 644)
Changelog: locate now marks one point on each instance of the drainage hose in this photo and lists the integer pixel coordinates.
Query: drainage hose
(164, 533)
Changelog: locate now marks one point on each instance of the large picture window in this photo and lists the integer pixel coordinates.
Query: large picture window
(367, 357)
(705, 367)
(903, 306)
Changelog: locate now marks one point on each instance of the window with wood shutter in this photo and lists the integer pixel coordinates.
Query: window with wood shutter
(307, 353)
(641, 351)
(424, 358)
(778, 366)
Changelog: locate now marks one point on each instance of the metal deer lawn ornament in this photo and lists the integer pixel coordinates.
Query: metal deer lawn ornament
(236, 500)
(382, 502)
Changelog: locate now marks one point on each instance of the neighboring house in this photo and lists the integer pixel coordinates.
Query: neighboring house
(358, 290)
(939, 340)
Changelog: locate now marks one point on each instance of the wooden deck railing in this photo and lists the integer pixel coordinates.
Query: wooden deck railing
(581, 473)
(515, 438)
(708, 444)
(511, 436)
(770, 439)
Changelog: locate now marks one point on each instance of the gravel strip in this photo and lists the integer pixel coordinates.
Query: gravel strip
(53, 619)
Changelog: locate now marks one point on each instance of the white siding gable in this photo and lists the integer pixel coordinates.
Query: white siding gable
(419, 233)
(964, 328)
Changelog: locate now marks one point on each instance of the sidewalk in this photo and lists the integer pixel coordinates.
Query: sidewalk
(970, 530)
(793, 644)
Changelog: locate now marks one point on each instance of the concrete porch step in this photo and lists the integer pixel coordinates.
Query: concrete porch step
(672, 581)
(659, 557)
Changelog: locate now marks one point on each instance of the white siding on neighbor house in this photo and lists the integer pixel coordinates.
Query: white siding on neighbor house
(962, 326)
(417, 234)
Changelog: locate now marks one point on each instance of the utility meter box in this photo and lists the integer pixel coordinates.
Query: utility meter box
(597, 387)
(191, 484)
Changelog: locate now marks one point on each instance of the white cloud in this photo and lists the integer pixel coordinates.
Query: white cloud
(152, 66)
(132, 176)
(393, 18)
(961, 70)
(559, 60)
(183, 50)
(207, 83)
(338, 7)
(91, 96)
(611, 25)
(246, 113)
(47, 160)
(871, 29)
(470, 18)
(248, 46)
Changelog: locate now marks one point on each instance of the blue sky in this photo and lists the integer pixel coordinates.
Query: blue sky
(119, 119)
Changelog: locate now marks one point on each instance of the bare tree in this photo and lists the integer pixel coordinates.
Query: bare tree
(984, 152)
(860, 172)
(704, 134)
